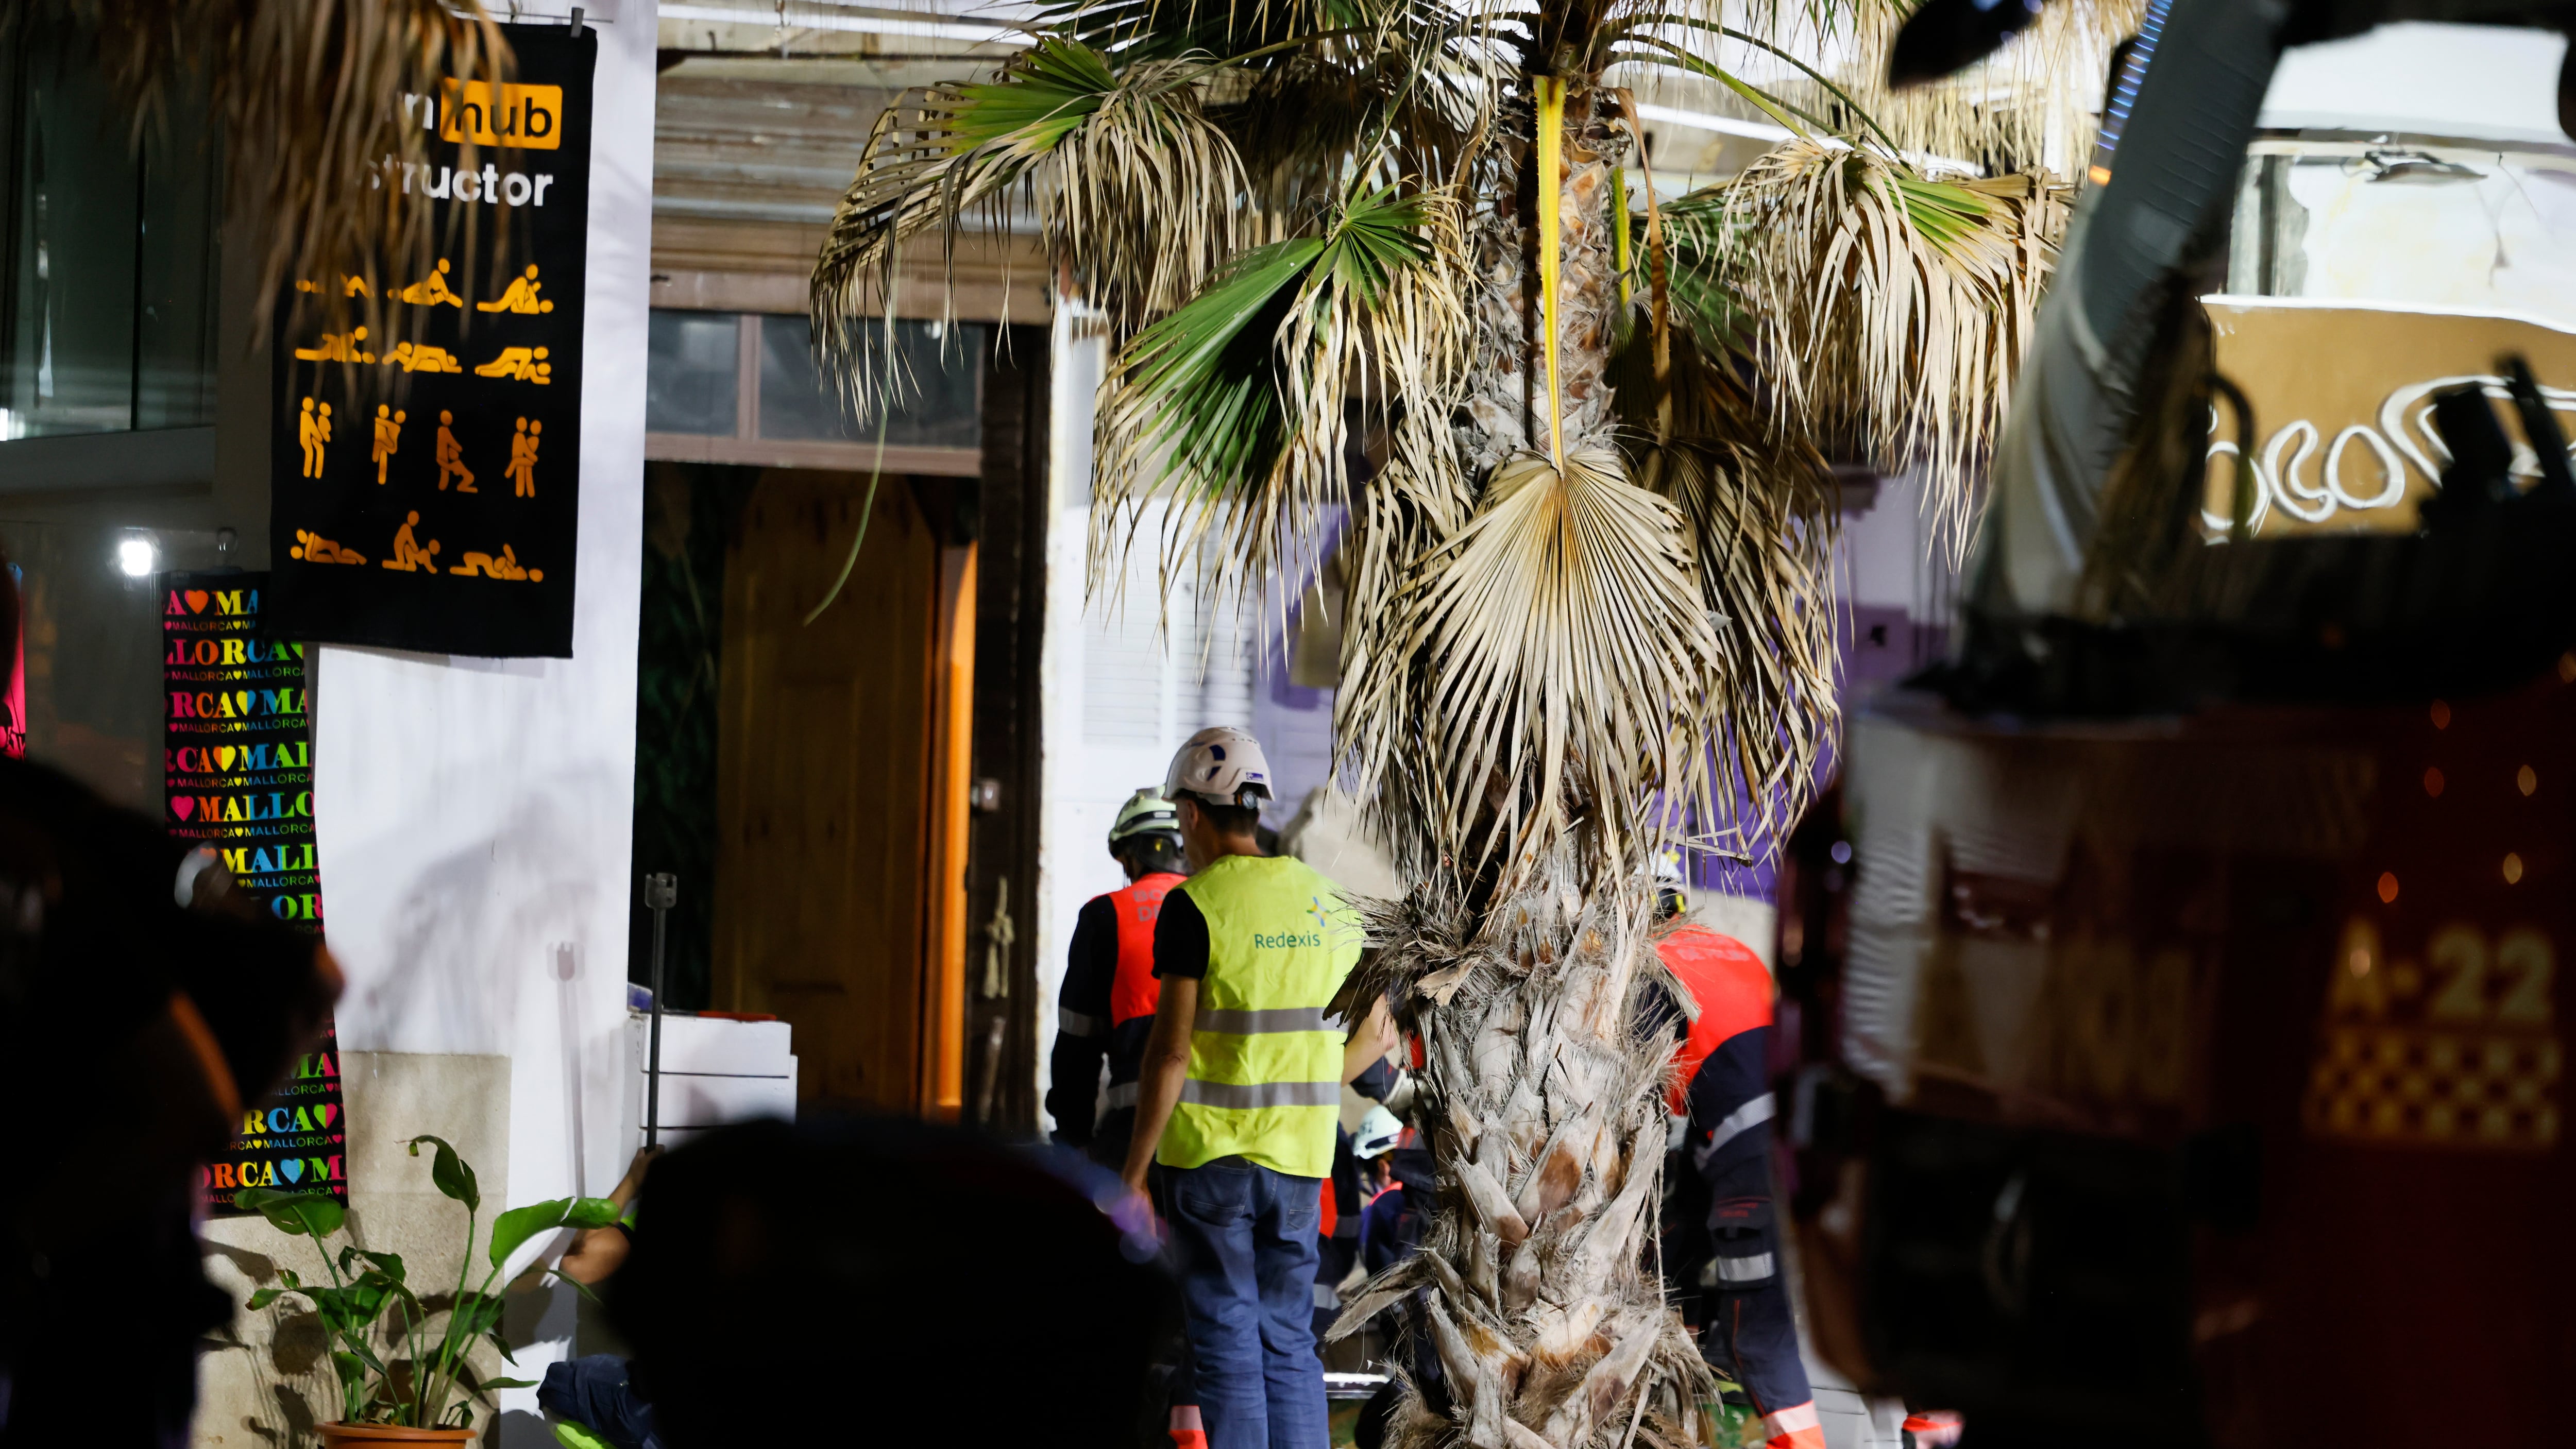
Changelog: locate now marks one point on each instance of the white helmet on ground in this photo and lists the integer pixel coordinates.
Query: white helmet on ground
(1380, 1132)
(1222, 765)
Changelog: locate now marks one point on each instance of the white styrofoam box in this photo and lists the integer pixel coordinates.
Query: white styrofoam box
(714, 1071)
(711, 1045)
(691, 1100)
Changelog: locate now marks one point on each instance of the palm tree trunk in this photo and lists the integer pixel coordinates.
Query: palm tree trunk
(1545, 1116)
(1507, 409)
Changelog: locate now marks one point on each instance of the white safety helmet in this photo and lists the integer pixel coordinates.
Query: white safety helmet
(1221, 765)
(1379, 1133)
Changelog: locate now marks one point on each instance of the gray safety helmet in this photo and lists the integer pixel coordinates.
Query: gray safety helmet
(1145, 813)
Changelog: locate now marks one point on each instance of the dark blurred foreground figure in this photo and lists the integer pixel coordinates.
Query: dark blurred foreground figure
(2161, 1074)
(800, 1283)
(146, 1005)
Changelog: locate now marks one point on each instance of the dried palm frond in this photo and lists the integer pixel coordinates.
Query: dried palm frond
(1135, 191)
(1240, 402)
(1165, 29)
(1553, 670)
(2031, 104)
(1823, 68)
(311, 88)
(1762, 522)
(1890, 311)
(1302, 123)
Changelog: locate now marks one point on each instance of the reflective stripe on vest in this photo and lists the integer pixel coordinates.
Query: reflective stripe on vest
(1242, 1098)
(1264, 1078)
(1258, 1023)
(1133, 991)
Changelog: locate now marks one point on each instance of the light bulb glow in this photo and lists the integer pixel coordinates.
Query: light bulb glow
(136, 557)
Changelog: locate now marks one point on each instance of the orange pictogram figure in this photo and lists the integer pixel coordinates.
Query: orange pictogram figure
(525, 364)
(314, 548)
(506, 566)
(388, 438)
(354, 287)
(523, 459)
(313, 429)
(423, 357)
(451, 458)
(520, 296)
(338, 347)
(431, 291)
(409, 555)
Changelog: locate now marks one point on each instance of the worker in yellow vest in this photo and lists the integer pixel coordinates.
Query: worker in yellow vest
(1239, 1092)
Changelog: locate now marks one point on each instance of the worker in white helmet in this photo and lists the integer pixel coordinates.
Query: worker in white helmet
(1240, 1093)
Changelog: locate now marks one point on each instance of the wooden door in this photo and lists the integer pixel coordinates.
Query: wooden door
(831, 739)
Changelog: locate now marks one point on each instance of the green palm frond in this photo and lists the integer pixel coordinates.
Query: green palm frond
(1136, 193)
(1890, 311)
(1239, 401)
(1702, 253)
(1200, 389)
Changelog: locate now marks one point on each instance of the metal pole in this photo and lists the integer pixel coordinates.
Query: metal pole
(661, 892)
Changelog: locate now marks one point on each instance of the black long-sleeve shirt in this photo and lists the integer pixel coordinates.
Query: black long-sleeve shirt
(1082, 1022)
(1085, 1029)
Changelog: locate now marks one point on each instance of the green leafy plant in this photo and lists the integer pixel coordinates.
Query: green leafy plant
(419, 1379)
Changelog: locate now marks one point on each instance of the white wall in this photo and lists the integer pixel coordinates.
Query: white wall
(2492, 81)
(1128, 673)
(1070, 782)
(474, 815)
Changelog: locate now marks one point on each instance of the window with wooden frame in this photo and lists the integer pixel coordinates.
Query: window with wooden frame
(741, 387)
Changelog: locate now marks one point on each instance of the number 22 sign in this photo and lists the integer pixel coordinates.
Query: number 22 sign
(2459, 1050)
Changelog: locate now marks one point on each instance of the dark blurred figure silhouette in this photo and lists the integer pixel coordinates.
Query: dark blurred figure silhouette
(144, 1005)
(834, 1279)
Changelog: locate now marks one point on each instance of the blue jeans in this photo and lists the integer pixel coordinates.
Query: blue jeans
(1243, 1238)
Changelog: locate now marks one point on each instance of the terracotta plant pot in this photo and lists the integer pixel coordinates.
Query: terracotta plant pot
(362, 1436)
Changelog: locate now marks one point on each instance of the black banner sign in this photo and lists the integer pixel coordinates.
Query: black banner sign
(424, 489)
(237, 758)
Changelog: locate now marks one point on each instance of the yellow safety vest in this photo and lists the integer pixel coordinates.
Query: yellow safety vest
(1265, 1079)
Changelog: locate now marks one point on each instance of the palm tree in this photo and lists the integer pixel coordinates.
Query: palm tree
(1590, 601)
